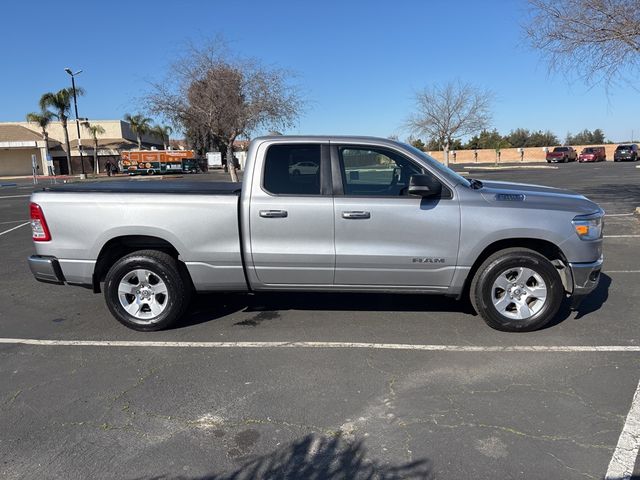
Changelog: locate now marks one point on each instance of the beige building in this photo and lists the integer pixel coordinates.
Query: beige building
(17, 146)
(20, 140)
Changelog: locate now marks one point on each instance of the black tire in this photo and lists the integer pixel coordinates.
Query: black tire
(481, 293)
(164, 268)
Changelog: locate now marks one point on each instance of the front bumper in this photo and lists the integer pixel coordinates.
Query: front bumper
(585, 276)
(46, 269)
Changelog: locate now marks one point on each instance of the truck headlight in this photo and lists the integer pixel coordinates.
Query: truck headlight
(589, 227)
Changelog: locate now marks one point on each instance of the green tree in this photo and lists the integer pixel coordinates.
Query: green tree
(416, 142)
(60, 103)
(419, 144)
(598, 136)
(543, 139)
(140, 125)
(519, 138)
(94, 131)
(42, 119)
(163, 131)
(585, 137)
(487, 139)
(434, 144)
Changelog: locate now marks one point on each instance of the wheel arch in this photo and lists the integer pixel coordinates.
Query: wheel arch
(120, 246)
(548, 249)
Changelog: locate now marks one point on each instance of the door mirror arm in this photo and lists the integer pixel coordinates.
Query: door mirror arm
(424, 186)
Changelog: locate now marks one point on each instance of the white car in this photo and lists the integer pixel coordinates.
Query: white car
(303, 168)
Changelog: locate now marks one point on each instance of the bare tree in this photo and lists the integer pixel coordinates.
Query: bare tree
(598, 40)
(450, 111)
(215, 98)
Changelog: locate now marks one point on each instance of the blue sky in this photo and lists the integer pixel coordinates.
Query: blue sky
(359, 63)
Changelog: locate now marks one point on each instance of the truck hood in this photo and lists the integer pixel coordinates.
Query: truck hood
(537, 196)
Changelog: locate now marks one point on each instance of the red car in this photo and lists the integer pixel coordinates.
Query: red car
(592, 154)
(562, 154)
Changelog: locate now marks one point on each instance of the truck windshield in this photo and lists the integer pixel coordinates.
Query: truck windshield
(446, 171)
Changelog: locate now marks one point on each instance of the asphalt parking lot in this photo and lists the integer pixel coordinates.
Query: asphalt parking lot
(324, 386)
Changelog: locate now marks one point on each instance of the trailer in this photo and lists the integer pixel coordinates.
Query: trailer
(152, 162)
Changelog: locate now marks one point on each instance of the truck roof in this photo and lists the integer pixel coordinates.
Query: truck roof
(329, 138)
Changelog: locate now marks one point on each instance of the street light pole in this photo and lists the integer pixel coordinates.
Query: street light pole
(75, 104)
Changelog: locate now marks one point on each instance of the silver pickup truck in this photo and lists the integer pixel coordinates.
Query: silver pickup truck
(347, 214)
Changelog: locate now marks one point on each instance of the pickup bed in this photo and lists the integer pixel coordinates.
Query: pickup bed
(322, 214)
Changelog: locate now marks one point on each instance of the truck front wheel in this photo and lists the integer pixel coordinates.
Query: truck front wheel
(146, 290)
(517, 290)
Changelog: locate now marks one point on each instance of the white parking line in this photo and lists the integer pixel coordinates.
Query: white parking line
(12, 221)
(15, 196)
(347, 345)
(621, 236)
(622, 271)
(626, 452)
(619, 214)
(14, 228)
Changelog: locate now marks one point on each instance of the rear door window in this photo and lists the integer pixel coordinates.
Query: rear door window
(292, 169)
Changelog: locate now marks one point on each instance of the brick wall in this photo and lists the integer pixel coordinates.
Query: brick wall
(509, 155)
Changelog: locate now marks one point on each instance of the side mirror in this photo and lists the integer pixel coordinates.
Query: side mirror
(424, 186)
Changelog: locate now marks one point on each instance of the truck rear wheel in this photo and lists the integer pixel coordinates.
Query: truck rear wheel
(146, 290)
(517, 290)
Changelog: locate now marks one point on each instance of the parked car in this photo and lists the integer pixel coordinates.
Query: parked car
(405, 223)
(592, 154)
(304, 168)
(562, 154)
(626, 152)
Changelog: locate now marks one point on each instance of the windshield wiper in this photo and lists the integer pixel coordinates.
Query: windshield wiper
(475, 184)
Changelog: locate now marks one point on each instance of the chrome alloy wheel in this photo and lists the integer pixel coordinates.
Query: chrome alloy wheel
(519, 293)
(143, 294)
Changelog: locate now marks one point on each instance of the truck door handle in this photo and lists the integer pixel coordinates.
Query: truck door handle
(273, 213)
(356, 215)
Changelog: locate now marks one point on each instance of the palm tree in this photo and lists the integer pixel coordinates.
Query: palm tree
(95, 130)
(60, 102)
(139, 125)
(163, 131)
(42, 119)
